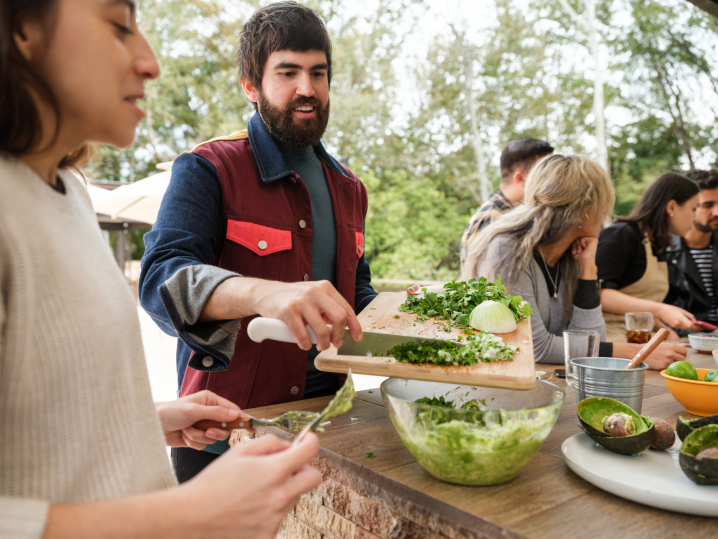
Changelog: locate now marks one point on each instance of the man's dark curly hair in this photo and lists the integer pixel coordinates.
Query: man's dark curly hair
(278, 27)
(706, 179)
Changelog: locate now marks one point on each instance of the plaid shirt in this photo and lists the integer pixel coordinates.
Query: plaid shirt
(489, 210)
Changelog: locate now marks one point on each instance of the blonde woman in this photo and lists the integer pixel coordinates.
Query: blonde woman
(545, 251)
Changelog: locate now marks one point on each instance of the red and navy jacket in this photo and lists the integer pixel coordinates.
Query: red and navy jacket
(234, 203)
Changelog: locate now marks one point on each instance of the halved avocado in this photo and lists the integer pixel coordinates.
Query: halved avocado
(593, 411)
(704, 471)
(685, 426)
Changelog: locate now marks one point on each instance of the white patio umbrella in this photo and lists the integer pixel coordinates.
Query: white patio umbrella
(139, 201)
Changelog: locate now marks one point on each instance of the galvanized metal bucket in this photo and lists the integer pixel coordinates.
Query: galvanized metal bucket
(608, 377)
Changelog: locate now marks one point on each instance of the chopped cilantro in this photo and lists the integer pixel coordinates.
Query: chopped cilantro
(369, 455)
(396, 316)
(479, 347)
(460, 298)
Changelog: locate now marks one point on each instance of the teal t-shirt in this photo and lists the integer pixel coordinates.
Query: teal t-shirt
(306, 164)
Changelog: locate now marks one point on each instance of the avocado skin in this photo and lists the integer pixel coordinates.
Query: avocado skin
(684, 426)
(627, 445)
(704, 471)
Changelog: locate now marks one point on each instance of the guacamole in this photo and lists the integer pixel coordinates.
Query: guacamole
(473, 447)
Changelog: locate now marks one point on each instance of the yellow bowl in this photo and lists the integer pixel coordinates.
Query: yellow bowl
(697, 397)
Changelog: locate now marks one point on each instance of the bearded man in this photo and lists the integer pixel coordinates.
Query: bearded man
(263, 221)
(693, 265)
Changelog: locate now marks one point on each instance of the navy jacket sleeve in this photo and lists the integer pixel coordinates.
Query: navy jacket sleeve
(178, 272)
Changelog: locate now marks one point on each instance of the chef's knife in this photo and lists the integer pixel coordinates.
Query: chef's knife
(374, 343)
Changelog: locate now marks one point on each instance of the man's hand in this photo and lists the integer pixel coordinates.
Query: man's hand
(310, 303)
(247, 491)
(314, 304)
(177, 418)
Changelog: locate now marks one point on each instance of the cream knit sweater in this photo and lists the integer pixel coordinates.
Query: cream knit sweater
(77, 421)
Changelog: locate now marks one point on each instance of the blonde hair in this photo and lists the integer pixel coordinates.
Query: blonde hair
(561, 191)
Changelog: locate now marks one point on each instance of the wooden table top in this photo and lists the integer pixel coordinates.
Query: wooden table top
(546, 500)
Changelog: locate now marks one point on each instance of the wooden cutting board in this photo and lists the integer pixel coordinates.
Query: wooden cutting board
(379, 316)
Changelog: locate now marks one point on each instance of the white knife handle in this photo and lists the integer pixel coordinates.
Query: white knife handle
(260, 329)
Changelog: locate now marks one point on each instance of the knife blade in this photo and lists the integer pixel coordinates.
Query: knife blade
(374, 343)
(377, 344)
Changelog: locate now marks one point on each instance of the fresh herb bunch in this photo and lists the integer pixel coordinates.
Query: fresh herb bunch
(479, 347)
(459, 299)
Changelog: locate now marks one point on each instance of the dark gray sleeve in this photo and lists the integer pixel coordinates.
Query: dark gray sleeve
(605, 349)
(587, 296)
(189, 289)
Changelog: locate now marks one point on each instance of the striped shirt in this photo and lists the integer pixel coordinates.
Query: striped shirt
(704, 262)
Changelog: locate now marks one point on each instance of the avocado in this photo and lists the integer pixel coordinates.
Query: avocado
(703, 471)
(685, 426)
(592, 412)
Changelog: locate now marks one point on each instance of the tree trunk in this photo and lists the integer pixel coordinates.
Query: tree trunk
(477, 143)
(598, 103)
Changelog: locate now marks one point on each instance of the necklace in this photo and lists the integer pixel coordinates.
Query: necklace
(554, 283)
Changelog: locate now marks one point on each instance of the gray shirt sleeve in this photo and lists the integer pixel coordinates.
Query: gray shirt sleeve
(189, 289)
(550, 315)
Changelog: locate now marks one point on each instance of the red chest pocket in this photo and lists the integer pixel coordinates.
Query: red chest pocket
(360, 243)
(259, 239)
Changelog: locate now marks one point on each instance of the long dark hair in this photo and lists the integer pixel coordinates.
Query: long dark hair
(650, 211)
(20, 123)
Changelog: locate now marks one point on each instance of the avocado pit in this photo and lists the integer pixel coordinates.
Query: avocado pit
(619, 425)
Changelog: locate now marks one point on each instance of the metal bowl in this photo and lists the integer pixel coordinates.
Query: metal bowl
(485, 447)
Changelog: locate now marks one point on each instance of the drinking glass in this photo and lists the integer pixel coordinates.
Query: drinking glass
(578, 343)
(639, 327)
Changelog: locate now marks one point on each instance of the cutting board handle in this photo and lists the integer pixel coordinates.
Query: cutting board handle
(260, 329)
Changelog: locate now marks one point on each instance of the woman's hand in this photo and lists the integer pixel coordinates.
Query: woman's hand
(177, 418)
(247, 492)
(665, 354)
(584, 252)
(676, 317)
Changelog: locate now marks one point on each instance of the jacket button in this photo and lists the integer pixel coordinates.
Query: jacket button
(306, 276)
(207, 362)
(294, 390)
(675, 261)
(302, 224)
(292, 179)
(262, 244)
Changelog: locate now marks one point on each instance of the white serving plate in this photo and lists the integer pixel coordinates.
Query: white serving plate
(652, 478)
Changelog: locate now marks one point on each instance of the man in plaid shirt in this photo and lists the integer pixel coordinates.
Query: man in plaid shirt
(517, 159)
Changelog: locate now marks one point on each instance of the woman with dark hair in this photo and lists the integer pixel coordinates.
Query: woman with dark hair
(82, 445)
(629, 260)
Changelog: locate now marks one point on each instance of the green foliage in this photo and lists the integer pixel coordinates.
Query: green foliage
(412, 227)
(415, 153)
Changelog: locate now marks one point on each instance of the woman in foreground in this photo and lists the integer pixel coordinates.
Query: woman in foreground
(81, 442)
(545, 251)
(630, 261)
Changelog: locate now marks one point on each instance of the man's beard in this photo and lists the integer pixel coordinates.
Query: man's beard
(299, 133)
(704, 228)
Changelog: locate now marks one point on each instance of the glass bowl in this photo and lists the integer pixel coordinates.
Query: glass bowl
(485, 447)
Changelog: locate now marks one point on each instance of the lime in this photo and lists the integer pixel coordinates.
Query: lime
(682, 369)
(712, 376)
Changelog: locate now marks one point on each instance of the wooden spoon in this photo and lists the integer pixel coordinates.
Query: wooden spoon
(648, 349)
